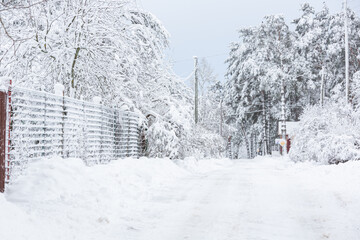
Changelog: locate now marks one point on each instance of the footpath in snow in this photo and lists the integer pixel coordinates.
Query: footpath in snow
(156, 199)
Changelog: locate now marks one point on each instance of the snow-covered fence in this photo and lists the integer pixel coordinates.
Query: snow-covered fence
(41, 124)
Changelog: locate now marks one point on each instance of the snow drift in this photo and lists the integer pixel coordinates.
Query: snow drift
(59, 198)
(64, 199)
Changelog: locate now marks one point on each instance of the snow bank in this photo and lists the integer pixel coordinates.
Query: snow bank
(58, 179)
(64, 199)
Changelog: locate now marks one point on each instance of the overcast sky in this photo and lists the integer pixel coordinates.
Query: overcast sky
(206, 27)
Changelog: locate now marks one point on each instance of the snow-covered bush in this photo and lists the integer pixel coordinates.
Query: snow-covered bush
(164, 140)
(173, 140)
(202, 143)
(328, 134)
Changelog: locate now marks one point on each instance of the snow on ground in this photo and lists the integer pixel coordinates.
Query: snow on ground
(193, 164)
(64, 199)
(264, 198)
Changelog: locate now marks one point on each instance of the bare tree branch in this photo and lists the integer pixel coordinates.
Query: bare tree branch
(19, 7)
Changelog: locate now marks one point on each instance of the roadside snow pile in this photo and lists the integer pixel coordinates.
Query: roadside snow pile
(64, 199)
(328, 134)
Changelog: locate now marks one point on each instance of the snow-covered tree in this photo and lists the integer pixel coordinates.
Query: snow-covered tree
(257, 66)
(89, 46)
(108, 48)
(310, 60)
(319, 51)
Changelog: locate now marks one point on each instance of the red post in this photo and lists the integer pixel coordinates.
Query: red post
(3, 116)
(7, 163)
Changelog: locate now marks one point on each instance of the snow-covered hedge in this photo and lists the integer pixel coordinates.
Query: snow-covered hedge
(328, 134)
(167, 139)
(201, 143)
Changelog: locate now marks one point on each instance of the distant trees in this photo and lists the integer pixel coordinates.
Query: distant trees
(256, 68)
(309, 59)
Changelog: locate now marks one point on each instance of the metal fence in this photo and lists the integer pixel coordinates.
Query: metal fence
(41, 124)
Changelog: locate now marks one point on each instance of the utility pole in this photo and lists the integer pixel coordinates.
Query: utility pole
(221, 118)
(196, 91)
(346, 52)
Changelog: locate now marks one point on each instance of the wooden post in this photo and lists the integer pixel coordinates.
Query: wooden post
(3, 117)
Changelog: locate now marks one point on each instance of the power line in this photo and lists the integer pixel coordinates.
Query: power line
(188, 77)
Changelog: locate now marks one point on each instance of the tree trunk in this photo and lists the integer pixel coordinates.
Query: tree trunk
(247, 146)
(252, 146)
(268, 124)
(322, 88)
(255, 144)
(264, 123)
(73, 84)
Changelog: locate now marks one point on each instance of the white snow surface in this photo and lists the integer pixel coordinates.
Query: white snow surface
(263, 198)
(59, 89)
(4, 84)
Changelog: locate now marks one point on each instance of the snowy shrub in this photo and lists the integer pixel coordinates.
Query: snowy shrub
(171, 129)
(202, 143)
(167, 139)
(164, 140)
(328, 134)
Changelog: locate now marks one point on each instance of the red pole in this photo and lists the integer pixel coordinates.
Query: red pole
(3, 113)
(7, 171)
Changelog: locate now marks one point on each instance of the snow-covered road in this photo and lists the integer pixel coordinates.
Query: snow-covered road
(155, 199)
(261, 199)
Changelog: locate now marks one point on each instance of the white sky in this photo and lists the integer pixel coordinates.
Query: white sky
(207, 27)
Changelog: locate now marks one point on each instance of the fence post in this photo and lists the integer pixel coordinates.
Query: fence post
(3, 117)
